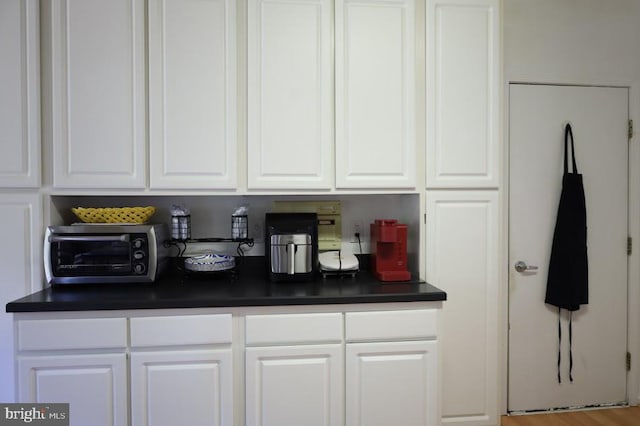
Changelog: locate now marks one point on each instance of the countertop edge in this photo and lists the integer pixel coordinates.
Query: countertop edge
(23, 307)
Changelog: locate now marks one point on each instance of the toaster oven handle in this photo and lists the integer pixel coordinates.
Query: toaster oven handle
(87, 238)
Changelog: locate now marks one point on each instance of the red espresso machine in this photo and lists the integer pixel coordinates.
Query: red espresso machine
(389, 250)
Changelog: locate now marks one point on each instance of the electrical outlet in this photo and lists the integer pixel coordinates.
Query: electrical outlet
(357, 229)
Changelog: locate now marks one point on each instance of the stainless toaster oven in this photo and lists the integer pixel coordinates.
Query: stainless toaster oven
(104, 253)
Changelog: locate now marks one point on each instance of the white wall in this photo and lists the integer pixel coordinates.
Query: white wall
(572, 41)
(587, 42)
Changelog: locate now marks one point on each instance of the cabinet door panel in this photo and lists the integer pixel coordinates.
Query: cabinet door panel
(290, 93)
(463, 230)
(392, 383)
(95, 386)
(19, 94)
(294, 385)
(463, 91)
(21, 265)
(192, 93)
(375, 85)
(190, 387)
(98, 93)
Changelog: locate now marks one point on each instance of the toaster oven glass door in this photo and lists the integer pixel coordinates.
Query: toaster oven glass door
(91, 255)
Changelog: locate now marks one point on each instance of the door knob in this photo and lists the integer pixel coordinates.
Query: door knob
(523, 267)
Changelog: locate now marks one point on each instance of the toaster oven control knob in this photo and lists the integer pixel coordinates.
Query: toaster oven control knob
(138, 243)
(138, 255)
(138, 268)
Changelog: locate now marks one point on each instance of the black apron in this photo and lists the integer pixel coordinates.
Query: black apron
(568, 279)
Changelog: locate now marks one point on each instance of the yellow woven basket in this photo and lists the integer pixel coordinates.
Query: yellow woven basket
(114, 214)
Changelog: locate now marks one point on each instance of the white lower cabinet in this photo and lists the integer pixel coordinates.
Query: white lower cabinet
(392, 368)
(181, 370)
(21, 265)
(94, 385)
(294, 369)
(182, 387)
(346, 367)
(388, 381)
(464, 228)
(294, 385)
(82, 362)
(382, 369)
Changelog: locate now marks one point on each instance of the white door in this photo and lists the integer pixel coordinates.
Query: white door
(599, 117)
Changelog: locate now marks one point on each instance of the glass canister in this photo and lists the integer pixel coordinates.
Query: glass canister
(181, 227)
(239, 227)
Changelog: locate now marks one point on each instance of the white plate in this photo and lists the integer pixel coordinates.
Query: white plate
(209, 263)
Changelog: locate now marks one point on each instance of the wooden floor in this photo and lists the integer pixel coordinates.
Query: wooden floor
(627, 416)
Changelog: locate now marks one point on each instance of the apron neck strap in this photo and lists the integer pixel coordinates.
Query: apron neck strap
(568, 132)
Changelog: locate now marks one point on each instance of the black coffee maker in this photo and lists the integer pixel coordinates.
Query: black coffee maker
(291, 246)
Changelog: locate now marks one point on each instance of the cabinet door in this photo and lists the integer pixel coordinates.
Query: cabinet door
(192, 93)
(463, 93)
(462, 259)
(19, 93)
(290, 94)
(21, 266)
(391, 383)
(98, 93)
(95, 385)
(294, 385)
(186, 387)
(375, 85)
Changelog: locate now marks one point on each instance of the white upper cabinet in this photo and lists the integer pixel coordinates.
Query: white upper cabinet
(293, 75)
(98, 95)
(463, 93)
(375, 85)
(192, 94)
(290, 94)
(19, 93)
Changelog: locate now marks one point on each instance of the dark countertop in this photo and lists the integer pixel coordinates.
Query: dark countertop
(246, 287)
